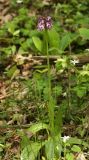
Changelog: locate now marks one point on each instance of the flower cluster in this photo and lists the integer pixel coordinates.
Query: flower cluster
(44, 23)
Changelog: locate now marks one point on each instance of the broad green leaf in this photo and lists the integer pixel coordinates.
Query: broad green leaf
(57, 50)
(37, 127)
(84, 32)
(74, 140)
(65, 41)
(31, 151)
(11, 27)
(49, 149)
(24, 140)
(27, 44)
(37, 42)
(80, 91)
(69, 156)
(53, 39)
(76, 148)
(53, 148)
(57, 145)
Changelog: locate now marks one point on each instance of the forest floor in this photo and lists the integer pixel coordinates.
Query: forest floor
(19, 102)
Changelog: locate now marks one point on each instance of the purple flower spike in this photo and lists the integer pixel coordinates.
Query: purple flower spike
(44, 23)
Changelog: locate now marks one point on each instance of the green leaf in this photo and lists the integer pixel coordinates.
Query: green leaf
(42, 71)
(76, 148)
(57, 90)
(80, 91)
(51, 106)
(12, 72)
(37, 127)
(49, 149)
(13, 49)
(84, 32)
(58, 145)
(11, 27)
(69, 156)
(58, 121)
(61, 63)
(53, 147)
(65, 41)
(37, 42)
(31, 151)
(1, 148)
(74, 140)
(53, 39)
(16, 33)
(24, 140)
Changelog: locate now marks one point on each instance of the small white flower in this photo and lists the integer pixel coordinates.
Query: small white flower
(74, 61)
(65, 138)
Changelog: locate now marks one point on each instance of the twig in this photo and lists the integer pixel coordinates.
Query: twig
(15, 126)
(83, 59)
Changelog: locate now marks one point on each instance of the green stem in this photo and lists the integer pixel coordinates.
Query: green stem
(69, 80)
(50, 100)
(48, 64)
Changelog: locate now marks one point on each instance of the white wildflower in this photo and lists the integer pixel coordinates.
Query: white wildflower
(65, 138)
(74, 61)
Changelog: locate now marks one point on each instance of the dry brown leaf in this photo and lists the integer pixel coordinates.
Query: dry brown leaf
(6, 18)
(80, 157)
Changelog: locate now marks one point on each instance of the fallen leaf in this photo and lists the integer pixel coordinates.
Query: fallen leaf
(80, 157)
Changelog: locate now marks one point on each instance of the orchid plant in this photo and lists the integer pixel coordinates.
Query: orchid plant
(52, 144)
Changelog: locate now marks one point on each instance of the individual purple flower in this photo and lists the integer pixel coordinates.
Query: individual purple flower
(44, 23)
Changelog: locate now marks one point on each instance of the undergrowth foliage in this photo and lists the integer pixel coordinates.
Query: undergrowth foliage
(45, 81)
